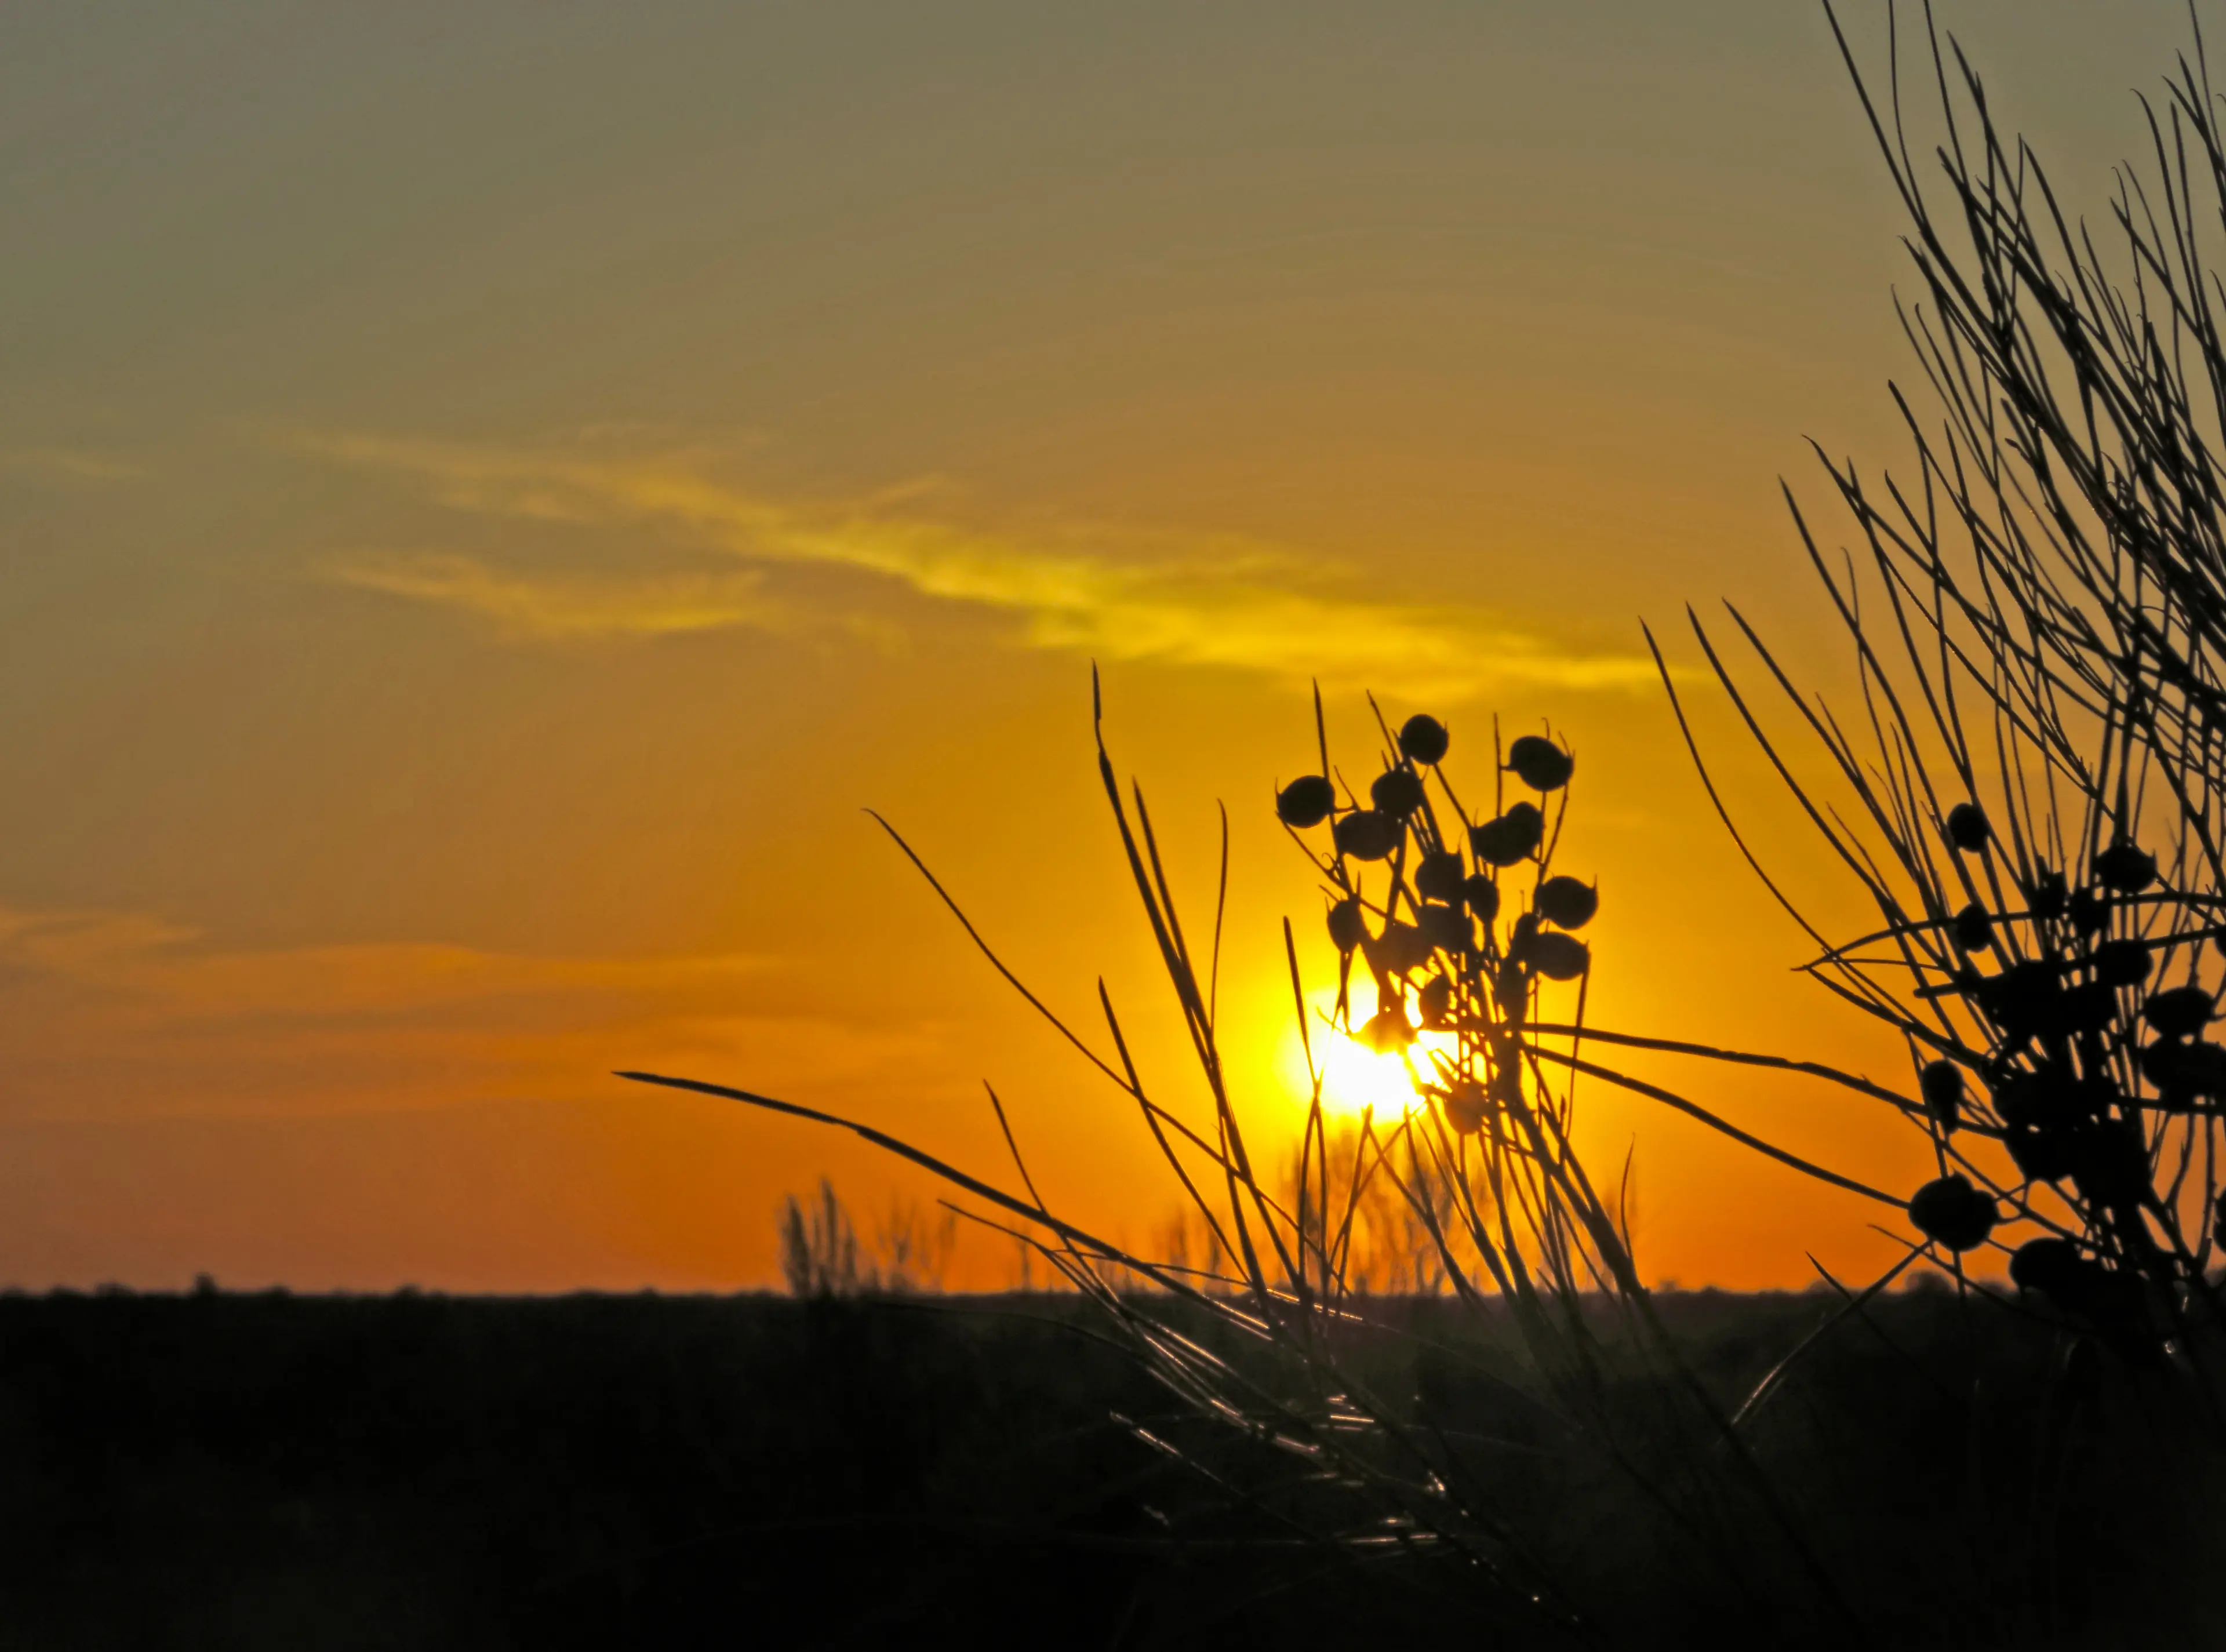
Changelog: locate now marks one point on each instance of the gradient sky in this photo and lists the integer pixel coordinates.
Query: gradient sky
(487, 493)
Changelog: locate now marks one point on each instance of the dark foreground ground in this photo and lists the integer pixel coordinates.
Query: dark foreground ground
(423, 1472)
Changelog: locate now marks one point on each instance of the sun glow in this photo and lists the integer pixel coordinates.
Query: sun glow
(1354, 1078)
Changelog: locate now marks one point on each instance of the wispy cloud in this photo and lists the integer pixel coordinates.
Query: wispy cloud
(154, 973)
(68, 464)
(1211, 603)
(108, 1014)
(555, 607)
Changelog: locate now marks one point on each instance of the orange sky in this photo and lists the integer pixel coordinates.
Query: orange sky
(488, 495)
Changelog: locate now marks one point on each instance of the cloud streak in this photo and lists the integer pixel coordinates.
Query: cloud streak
(557, 609)
(1220, 606)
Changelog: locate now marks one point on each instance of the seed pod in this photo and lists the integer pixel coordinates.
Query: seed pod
(2091, 1006)
(1522, 937)
(1396, 792)
(1560, 957)
(2180, 1012)
(2122, 963)
(1565, 901)
(1438, 875)
(1401, 949)
(2185, 1072)
(1348, 926)
(1366, 834)
(1953, 1212)
(1388, 1031)
(1464, 1105)
(1941, 1083)
(1974, 928)
(1423, 739)
(1966, 828)
(1306, 802)
(1539, 764)
(2040, 1155)
(1482, 895)
(2048, 895)
(2086, 912)
(2110, 1162)
(2046, 1265)
(1444, 927)
(1435, 1001)
(1514, 837)
(2124, 868)
(2022, 999)
(2050, 1096)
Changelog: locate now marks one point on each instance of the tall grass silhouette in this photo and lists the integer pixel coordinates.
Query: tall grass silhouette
(2031, 794)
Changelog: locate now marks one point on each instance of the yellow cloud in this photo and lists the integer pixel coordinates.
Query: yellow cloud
(157, 973)
(1215, 607)
(555, 608)
(68, 464)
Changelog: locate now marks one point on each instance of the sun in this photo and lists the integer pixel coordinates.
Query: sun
(1354, 1078)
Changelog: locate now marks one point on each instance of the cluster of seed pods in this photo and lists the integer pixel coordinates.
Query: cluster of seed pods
(1430, 930)
(2090, 1046)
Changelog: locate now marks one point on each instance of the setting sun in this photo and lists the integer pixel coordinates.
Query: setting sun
(1354, 1078)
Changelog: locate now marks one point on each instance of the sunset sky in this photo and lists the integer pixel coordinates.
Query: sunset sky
(489, 494)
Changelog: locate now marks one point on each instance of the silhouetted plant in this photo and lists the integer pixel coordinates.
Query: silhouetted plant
(1466, 930)
(2033, 796)
(819, 1247)
(821, 1254)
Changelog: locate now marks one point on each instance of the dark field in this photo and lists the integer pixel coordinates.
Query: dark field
(253, 1471)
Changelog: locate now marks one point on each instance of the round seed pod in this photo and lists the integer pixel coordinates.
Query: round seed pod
(1464, 1105)
(1539, 764)
(1348, 926)
(1568, 903)
(2180, 1013)
(1941, 1084)
(1396, 792)
(1306, 802)
(2124, 868)
(1423, 739)
(1966, 828)
(1445, 928)
(2022, 999)
(2037, 1100)
(1560, 957)
(1401, 949)
(2185, 1072)
(2110, 1162)
(1438, 875)
(1513, 837)
(2040, 1155)
(1482, 895)
(2046, 1265)
(1974, 928)
(2122, 963)
(1522, 937)
(2086, 912)
(1952, 1212)
(2091, 1006)
(1435, 1001)
(2048, 895)
(1388, 1031)
(1366, 834)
